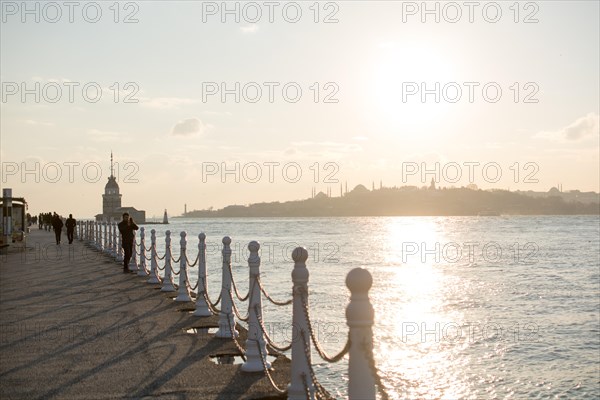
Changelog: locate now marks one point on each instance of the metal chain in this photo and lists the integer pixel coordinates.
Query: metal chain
(211, 307)
(190, 287)
(371, 360)
(267, 337)
(235, 287)
(320, 392)
(235, 309)
(173, 258)
(145, 269)
(264, 363)
(277, 303)
(305, 384)
(159, 257)
(318, 347)
(240, 348)
(173, 271)
(187, 260)
(205, 292)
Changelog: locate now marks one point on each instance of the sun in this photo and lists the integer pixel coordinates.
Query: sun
(400, 75)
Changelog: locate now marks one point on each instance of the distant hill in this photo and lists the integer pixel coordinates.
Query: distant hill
(412, 201)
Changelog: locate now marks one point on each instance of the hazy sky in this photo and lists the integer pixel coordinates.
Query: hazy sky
(367, 110)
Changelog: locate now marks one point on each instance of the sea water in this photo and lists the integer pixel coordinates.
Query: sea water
(465, 307)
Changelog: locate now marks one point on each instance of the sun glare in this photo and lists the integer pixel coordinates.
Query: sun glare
(401, 76)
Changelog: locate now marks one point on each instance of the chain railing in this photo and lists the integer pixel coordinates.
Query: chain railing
(364, 382)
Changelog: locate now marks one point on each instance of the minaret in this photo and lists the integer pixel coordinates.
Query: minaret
(185, 209)
(165, 219)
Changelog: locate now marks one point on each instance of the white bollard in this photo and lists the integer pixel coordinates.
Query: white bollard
(119, 245)
(142, 267)
(301, 360)
(202, 309)
(226, 317)
(167, 280)
(106, 237)
(255, 338)
(183, 289)
(110, 240)
(359, 317)
(101, 238)
(154, 278)
(133, 267)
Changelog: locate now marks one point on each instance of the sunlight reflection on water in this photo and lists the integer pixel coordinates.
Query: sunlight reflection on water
(508, 321)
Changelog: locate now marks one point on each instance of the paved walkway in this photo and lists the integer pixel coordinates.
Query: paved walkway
(73, 326)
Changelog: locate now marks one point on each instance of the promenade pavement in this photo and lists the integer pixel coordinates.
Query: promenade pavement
(74, 326)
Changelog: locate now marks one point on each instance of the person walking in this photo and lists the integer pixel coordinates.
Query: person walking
(126, 228)
(57, 224)
(70, 224)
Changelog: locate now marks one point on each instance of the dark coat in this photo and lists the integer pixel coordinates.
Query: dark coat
(127, 231)
(57, 223)
(70, 224)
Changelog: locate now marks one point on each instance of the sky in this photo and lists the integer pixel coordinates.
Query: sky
(208, 104)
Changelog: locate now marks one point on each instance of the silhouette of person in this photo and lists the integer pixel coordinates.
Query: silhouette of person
(57, 224)
(126, 228)
(70, 224)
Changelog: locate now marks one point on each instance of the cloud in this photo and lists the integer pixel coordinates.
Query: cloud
(188, 127)
(582, 128)
(249, 29)
(166, 102)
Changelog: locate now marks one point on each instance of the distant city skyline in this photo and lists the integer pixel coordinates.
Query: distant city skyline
(209, 113)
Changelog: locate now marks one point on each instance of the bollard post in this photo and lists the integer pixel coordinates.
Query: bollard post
(183, 295)
(154, 278)
(255, 338)
(110, 240)
(114, 240)
(226, 317)
(202, 309)
(359, 317)
(142, 267)
(133, 267)
(119, 245)
(167, 280)
(104, 244)
(99, 235)
(301, 359)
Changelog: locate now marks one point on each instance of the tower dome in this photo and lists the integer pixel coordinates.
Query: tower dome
(111, 187)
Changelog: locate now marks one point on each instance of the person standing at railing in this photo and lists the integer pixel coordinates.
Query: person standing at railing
(126, 228)
(70, 224)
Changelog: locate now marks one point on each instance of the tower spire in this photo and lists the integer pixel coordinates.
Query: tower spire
(111, 164)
